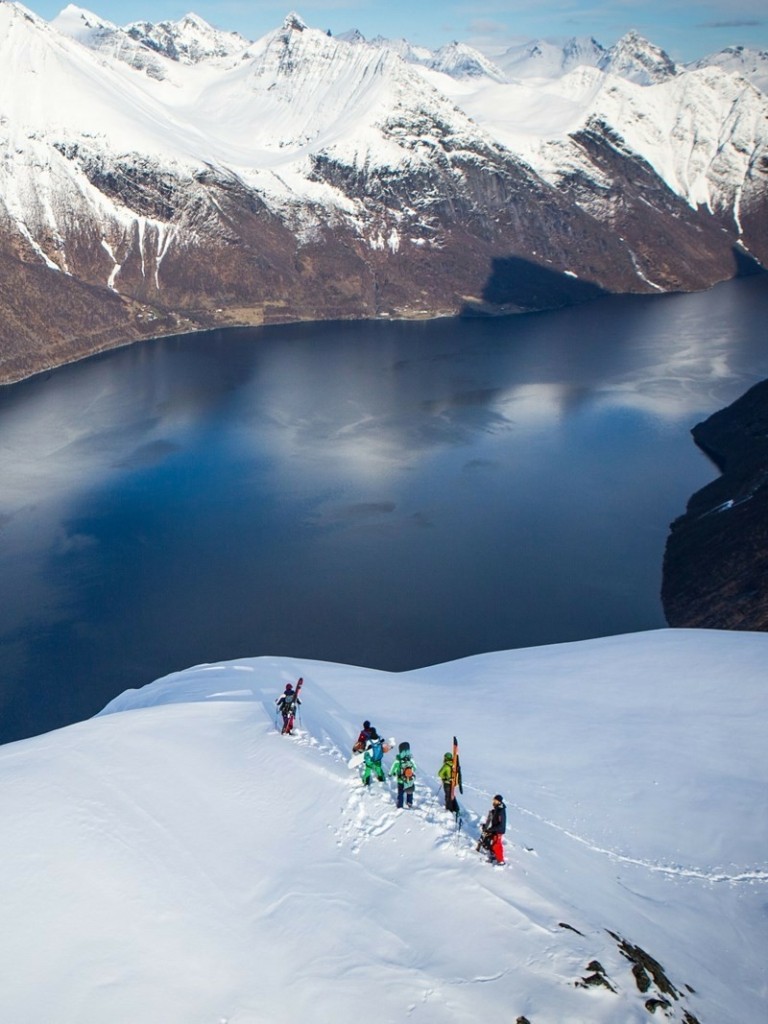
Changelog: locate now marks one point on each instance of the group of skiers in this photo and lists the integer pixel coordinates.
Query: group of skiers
(373, 748)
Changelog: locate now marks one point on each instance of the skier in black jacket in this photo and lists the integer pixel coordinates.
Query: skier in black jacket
(494, 828)
(287, 705)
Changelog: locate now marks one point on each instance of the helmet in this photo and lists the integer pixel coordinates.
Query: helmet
(366, 724)
(289, 687)
(499, 797)
(448, 756)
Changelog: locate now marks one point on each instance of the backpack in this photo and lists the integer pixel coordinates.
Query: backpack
(407, 773)
(376, 749)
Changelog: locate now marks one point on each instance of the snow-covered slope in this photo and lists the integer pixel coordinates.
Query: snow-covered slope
(175, 859)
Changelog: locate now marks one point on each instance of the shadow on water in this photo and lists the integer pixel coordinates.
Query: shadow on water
(746, 264)
(520, 285)
(517, 284)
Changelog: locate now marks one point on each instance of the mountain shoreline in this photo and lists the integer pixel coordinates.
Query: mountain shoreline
(76, 350)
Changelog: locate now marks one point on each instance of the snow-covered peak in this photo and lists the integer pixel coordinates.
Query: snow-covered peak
(353, 36)
(542, 58)
(638, 60)
(81, 24)
(189, 40)
(461, 61)
(103, 36)
(294, 22)
(750, 64)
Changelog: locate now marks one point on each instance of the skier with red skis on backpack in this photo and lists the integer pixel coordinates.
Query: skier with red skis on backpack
(287, 705)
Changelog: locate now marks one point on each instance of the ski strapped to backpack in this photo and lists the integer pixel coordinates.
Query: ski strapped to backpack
(289, 706)
(456, 783)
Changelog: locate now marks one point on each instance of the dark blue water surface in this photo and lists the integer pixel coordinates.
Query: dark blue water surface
(383, 494)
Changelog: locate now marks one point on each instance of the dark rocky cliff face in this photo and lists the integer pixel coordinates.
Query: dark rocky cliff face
(716, 559)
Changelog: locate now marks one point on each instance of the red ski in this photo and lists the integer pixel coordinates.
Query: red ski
(456, 782)
(289, 707)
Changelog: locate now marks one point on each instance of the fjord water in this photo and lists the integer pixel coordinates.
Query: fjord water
(382, 494)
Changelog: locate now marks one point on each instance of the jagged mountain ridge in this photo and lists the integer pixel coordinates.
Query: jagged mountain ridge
(178, 186)
(741, 60)
(190, 40)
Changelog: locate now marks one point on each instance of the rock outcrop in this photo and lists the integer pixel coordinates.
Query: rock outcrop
(716, 559)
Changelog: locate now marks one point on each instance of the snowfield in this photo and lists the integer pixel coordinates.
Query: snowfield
(176, 860)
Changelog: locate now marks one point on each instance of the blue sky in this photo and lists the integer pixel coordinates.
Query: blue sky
(685, 28)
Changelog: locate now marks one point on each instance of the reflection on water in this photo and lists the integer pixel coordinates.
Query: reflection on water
(382, 494)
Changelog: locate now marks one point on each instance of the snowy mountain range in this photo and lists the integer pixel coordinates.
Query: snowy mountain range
(176, 859)
(158, 178)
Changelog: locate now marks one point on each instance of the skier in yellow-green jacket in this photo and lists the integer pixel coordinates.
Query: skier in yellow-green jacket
(445, 774)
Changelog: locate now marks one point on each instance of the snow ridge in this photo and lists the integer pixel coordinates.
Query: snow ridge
(195, 848)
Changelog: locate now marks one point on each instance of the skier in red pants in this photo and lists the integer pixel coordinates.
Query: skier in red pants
(492, 831)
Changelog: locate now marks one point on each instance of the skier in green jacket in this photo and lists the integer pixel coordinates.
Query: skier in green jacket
(404, 771)
(372, 755)
(445, 774)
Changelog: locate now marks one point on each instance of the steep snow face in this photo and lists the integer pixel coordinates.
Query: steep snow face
(701, 133)
(177, 859)
(750, 64)
(639, 61)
